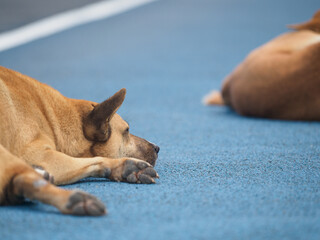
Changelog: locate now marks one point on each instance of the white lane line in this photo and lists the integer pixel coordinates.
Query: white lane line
(66, 20)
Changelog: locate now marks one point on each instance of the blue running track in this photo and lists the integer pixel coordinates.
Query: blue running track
(222, 176)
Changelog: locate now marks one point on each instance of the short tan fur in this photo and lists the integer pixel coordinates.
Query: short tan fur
(44, 134)
(280, 79)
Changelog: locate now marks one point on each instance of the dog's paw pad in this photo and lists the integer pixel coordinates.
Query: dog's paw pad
(128, 168)
(132, 178)
(81, 203)
(46, 175)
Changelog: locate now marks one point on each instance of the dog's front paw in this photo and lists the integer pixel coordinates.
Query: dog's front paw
(134, 171)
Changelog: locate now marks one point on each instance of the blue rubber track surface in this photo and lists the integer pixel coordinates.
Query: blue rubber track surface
(222, 176)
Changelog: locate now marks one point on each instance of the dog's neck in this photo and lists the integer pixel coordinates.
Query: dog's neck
(66, 123)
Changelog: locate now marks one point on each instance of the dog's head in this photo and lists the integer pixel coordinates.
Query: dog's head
(110, 133)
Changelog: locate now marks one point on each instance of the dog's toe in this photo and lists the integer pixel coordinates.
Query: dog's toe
(142, 165)
(143, 178)
(132, 178)
(81, 203)
(151, 172)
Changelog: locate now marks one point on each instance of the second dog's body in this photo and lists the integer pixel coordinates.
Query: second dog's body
(279, 80)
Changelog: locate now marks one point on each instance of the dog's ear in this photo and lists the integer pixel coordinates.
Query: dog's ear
(313, 24)
(96, 123)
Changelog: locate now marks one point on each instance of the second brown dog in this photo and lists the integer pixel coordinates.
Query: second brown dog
(279, 80)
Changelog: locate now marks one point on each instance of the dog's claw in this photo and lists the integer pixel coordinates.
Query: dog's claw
(81, 203)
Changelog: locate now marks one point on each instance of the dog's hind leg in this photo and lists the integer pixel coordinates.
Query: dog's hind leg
(19, 181)
(32, 186)
(220, 98)
(213, 98)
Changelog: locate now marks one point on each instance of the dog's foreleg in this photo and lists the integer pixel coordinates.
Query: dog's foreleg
(66, 169)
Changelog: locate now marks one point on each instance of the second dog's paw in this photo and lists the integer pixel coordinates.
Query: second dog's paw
(135, 171)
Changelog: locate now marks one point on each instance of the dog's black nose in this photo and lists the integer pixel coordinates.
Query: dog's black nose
(156, 148)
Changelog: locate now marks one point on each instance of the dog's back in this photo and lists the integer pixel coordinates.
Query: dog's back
(31, 108)
(280, 80)
(17, 96)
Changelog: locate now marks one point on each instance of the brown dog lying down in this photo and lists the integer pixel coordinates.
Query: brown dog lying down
(47, 138)
(281, 79)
